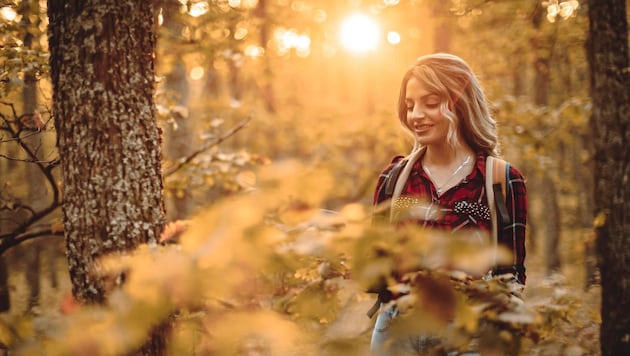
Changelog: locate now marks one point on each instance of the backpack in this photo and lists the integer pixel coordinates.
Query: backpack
(497, 176)
(496, 186)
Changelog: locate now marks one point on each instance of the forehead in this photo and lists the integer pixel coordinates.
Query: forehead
(418, 90)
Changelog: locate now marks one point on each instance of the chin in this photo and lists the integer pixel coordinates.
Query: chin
(425, 141)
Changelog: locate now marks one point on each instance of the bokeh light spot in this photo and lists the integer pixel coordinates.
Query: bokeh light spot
(393, 37)
(8, 13)
(196, 73)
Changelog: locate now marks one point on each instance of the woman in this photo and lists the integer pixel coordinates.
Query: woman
(442, 106)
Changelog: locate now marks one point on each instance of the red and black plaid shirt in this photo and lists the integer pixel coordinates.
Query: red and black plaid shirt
(465, 206)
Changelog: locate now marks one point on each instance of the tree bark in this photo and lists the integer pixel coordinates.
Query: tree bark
(607, 51)
(102, 69)
(550, 228)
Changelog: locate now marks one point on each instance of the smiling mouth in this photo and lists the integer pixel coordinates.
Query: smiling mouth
(421, 128)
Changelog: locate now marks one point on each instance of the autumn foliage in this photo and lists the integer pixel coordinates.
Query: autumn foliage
(276, 248)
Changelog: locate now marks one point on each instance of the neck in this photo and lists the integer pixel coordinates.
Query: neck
(446, 155)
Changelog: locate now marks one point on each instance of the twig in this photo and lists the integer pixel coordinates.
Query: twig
(27, 160)
(19, 233)
(18, 207)
(11, 242)
(208, 146)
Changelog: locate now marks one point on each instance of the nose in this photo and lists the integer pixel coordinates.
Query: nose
(416, 114)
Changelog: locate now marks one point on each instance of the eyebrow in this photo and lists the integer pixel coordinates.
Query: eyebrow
(423, 97)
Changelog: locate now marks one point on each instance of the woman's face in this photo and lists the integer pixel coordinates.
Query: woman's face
(424, 117)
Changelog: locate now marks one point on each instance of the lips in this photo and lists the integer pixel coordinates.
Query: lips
(422, 128)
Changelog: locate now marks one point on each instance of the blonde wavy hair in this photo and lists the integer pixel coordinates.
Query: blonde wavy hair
(462, 101)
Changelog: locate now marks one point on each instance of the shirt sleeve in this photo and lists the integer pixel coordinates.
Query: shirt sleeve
(512, 235)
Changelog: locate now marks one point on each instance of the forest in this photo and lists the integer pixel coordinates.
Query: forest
(191, 177)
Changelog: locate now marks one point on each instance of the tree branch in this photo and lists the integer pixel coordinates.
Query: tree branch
(208, 146)
(7, 243)
(19, 233)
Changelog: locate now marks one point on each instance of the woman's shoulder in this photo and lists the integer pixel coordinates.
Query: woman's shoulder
(515, 174)
(397, 159)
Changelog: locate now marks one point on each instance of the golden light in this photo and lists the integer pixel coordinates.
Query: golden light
(196, 73)
(240, 33)
(8, 13)
(303, 45)
(291, 39)
(320, 16)
(359, 33)
(199, 8)
(393, 37)
(249, 4)
(564, 9)
(254, 51)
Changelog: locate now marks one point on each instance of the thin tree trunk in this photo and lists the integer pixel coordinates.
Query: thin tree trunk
(267, 87)
(179, 135)
(442, 30)
(36, 184)
(5, 300)
(607, 50)
(548, 192)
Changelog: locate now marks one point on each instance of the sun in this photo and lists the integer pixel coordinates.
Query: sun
(359, 33)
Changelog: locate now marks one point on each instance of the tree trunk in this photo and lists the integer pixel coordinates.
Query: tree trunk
(607, 50)
(36, 184)
(548, 193)
(5, 300)
(102, 69)
(179, 135)
(442, 29)
(267, 87)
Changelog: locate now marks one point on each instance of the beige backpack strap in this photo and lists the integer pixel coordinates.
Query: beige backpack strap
(402, 178)
(493, 211)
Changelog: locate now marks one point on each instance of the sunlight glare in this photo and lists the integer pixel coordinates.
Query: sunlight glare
(254, 51)
(564, 9)
(248, 4)
(393, 37)
(291, 39)
(359, 33)
(199, 8)
(8, 13)
(196, 73)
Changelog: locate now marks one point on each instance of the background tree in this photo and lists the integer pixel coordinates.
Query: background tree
(610, 122)
(102, 65)
(28, 194)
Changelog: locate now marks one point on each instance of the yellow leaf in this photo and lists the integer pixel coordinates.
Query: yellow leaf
(57, 226)
(246, 179)
(600, 220)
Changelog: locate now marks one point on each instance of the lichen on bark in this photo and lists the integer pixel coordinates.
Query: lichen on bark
(102, 66)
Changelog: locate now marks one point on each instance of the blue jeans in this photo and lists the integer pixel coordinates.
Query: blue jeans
(380, 343)
(385, 344)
